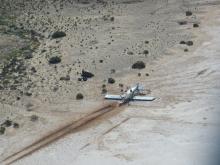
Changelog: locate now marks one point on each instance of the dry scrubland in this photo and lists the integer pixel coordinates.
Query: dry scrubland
(58, 59)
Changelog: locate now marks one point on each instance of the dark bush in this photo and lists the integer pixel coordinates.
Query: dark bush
(87, 74)
(121, 85)
(58, 34)
(28, 55)
(182, 42)
(55, 60)
(186, 50)
(139, 74)
(182, 22)
(55, 88)
(112, 71)
(79, 96)
(2, 130)
(138, 65)
(104, 91)
(15, 125)
(145, 52)
(7, 123)
(28, 93)
(112, 19)
(189, 43)
(188, 13)
(66, 78)
(111, 81)
(34, 118)
(195, 25)
(84, 78)
(130, 53)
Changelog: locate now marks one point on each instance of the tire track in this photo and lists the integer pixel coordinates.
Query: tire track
(59, 133)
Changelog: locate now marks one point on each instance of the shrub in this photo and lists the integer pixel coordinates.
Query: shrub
(66, 78)
(182, 22)
(104, 91)
(188, 13)
(189, 43)
(182, 42)
(55, 60)
(16, 125)
(195, 25)
(79, 96)
(145, 52)
(58, 34)
(7, 123)
(34, 118)
(138, 65)
(111, 81)
(87, 74)
(2, 130)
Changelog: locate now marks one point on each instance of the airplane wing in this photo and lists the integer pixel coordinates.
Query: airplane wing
(143, 98)
(114, 97)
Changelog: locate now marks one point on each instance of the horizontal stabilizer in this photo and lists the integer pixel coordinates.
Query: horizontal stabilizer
(143, 98)
(113, 97)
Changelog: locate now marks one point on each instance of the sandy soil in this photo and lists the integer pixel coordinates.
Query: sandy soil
(180, 127)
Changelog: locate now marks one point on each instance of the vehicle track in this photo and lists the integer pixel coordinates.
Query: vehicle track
(59, 133)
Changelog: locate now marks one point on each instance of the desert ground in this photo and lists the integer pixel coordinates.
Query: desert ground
(176, 40)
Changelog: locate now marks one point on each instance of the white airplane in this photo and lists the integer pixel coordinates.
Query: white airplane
(130, 95)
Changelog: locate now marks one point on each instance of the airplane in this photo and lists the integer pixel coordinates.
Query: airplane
(130, 95)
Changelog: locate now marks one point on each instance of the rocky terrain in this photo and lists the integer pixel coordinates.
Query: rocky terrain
(59, 58)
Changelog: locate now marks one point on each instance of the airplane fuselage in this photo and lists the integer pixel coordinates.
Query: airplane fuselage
(130, 94)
